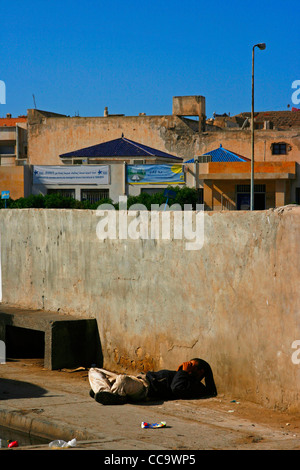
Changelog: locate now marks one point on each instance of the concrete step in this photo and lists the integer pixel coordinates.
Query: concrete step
(67, 340)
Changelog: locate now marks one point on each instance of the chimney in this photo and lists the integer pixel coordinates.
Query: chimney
(8, 116)
(106, 111)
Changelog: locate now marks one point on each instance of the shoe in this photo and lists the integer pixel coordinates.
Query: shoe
(108, 398)
(92, 394)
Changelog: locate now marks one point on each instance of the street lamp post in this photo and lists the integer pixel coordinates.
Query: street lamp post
(261, 46)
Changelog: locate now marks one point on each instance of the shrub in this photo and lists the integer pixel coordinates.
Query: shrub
(184, 195)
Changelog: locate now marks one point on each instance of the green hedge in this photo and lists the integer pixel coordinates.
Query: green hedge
(184, 195)
(56, 201)
(50, 201)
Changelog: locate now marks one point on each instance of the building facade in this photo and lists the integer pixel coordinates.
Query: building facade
(13, 140)
(13, 156)
(186, 134)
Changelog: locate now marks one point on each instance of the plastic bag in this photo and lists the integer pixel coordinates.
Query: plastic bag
(162, 424)
(60, 444)
(13, 444)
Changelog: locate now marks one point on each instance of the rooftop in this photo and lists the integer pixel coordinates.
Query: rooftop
(10, 121)
(223, 155)
(279, 119)
(121, 147)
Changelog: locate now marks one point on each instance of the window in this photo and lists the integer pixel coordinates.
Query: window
(151, 190)
(279, 148)
(200, 196)
(63, 192)
(245, 188)
(204, 158)
(7, 149)
(75, 161)
(94, 195)
(243, 196)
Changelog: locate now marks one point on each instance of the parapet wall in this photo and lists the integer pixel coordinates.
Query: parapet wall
(234, 302)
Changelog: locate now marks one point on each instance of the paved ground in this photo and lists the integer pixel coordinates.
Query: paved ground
(57, 405)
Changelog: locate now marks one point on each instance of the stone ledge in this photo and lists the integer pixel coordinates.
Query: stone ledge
(70, 341)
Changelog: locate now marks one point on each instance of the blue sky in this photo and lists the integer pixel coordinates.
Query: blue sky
(133, 56)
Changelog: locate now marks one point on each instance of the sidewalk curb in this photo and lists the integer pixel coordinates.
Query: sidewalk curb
(42, 428)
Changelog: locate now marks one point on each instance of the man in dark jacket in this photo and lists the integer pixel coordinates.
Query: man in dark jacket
(184, 383)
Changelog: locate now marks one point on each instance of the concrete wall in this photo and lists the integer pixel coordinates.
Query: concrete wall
(189, 106)
(50, 136)
(239, 141)
(235, 302)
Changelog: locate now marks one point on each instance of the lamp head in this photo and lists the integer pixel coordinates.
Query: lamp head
(261, 46)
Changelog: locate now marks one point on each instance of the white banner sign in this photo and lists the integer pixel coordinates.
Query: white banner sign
(77, 174)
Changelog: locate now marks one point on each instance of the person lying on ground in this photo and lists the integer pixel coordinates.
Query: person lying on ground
(109, 388)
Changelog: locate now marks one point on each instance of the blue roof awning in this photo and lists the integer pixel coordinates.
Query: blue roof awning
(222, 155)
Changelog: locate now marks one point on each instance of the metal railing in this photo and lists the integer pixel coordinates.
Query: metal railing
(230, 201)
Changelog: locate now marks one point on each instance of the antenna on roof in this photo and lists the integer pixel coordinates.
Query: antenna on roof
(34, 101)
(122, 135)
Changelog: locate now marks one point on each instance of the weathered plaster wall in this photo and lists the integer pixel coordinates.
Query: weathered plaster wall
(239, 141)
(12, 179)
(235, 302)
(189, 105)
(49, 136)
